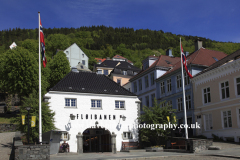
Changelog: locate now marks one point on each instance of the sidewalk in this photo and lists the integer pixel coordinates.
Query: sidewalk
(6, 140)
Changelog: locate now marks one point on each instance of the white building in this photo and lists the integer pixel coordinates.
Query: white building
(94, 100)
(75, 55)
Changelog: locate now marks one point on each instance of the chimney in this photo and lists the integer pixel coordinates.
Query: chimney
(186, 54)
(108, 58)
(169, 53)
(198, 44)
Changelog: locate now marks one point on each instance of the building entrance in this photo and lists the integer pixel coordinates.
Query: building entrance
(96, 140)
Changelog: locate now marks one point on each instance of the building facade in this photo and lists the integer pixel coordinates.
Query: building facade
(143, 84)
(101, 108)
(119, 70)
(169, 85)
(217, 99)
(75, 55)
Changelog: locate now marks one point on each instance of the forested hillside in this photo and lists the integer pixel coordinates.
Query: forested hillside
(101, 42)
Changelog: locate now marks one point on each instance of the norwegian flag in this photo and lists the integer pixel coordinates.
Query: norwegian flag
(184, 61)
(42, 45)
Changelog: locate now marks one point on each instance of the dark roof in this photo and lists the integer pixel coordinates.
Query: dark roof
(162, 61)
(89, 82)
(222, 61)
(202, 57)
(117, 64)
(120, 57)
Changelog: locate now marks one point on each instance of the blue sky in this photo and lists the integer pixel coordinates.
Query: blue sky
(214, 19)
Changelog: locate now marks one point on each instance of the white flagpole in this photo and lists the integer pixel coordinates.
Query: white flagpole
(40, 94)
(184, 100)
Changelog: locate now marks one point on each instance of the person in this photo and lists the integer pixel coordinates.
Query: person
(65, 146)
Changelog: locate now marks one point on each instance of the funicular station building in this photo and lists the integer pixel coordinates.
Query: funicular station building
(98, 113)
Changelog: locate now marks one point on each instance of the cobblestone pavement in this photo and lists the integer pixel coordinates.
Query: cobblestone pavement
(190, 158)
(6, 140)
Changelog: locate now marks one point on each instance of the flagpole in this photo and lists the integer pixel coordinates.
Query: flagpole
(40, 94)
(184, 100)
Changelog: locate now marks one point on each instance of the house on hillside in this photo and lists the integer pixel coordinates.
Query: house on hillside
(118, 69)
(105, 113)
(216, 99)
(143, 84)
(75, 55)
(169, 84)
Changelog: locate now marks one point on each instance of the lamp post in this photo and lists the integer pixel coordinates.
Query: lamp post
(123, 117)
(28, 109)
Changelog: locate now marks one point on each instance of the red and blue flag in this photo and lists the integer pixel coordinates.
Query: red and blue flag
(184, 61)
(42, 43)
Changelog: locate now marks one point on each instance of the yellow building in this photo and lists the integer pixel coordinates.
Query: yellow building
(217, 99)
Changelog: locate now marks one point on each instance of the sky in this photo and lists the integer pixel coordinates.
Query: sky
(217, 20)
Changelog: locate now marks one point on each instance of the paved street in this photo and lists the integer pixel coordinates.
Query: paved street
(6, 140)
(229, 151)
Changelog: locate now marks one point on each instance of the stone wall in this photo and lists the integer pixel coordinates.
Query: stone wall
(29, 152)
(8, 127)
(198, 145)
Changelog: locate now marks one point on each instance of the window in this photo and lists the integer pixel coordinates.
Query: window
(140, 84)
(70, 102)
(83, 62)
(152, 79)
(96, 103)
(163, 104)
(238, 85)
(179, 84)
(152, 99)
(147, 101)
(146, 82)
(135, 87)
(180, 106)
(99, 71)
(188, 102)
(225, 90)
(105, 72)
(208, 121)
(119, 81)
(124, 72)
(206, 95)
(64, 137)
(127, 135)
(162, 88)
(169, 103)
(119, 104)
(186, 79)
(82, 55)
(66, 52)
(227, 119)
(169, 85)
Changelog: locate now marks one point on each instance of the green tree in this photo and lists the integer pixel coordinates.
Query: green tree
(156, 115)
(47, 116)
(19, 72)
(56, 41)
(59, 67)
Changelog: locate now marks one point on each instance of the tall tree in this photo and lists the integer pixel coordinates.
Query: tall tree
(47, 117)
(19, 72)
(59, 67)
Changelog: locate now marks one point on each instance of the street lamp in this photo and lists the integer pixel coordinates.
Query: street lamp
(28, 109)
(72, 117)
(123, 117)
